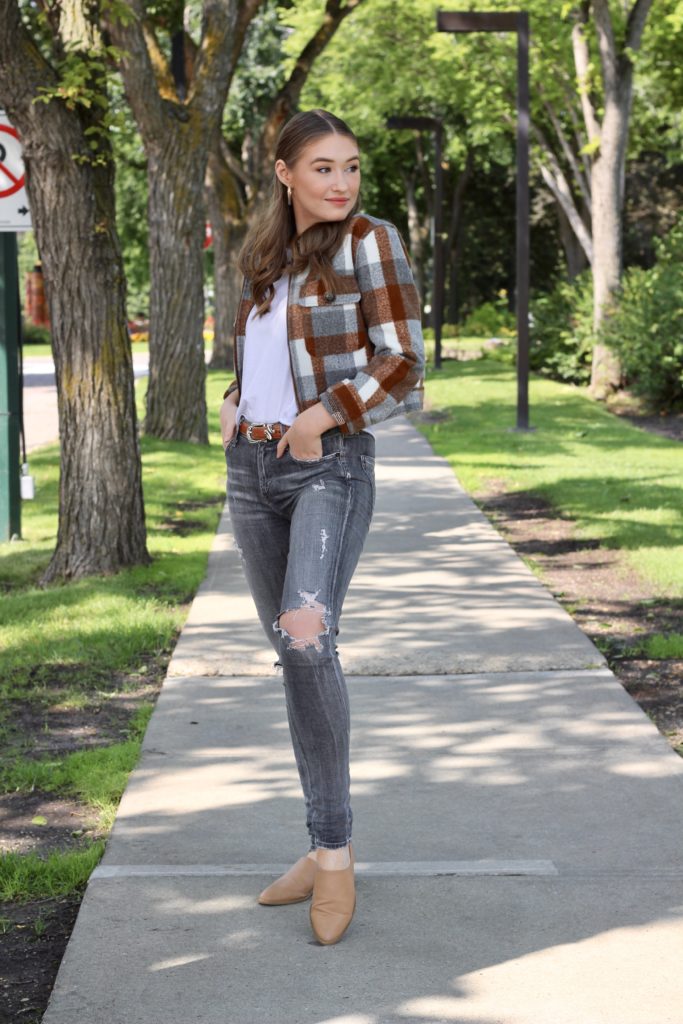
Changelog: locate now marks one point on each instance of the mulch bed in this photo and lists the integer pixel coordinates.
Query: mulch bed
(34, 935)
(608, 601)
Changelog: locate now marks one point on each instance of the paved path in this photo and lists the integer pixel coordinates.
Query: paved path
(41, 423)
(517, 816)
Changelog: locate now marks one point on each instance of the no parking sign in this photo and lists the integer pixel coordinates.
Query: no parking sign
(14, 211)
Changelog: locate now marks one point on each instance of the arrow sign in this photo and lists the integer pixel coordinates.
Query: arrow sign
(14, 211)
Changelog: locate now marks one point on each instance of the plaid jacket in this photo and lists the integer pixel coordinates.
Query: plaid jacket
(360, 352)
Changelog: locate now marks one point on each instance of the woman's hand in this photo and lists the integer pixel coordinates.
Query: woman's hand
(303, 437)
(228, 415)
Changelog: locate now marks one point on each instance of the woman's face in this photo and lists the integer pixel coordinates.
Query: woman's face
(324, 180)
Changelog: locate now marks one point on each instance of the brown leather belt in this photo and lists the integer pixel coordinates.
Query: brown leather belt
(262, 431)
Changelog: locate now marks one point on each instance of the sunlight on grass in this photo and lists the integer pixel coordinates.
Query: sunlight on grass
(106, 623)
(28, 877)
(621, 485)
(669, 645)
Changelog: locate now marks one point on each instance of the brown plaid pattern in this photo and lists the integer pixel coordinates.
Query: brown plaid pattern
(360, 351)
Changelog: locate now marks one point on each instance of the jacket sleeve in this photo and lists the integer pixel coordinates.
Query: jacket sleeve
(390, 306)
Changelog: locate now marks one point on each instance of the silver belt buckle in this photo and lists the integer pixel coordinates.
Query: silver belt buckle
(267, 430)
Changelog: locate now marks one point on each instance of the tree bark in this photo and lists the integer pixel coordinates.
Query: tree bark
(417, 233)
(226, 213)
(101, 513)
(454, 236)
(176, 133)
(574, 254)
(608, 167)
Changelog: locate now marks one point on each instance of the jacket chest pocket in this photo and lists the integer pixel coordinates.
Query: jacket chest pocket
(332, 323)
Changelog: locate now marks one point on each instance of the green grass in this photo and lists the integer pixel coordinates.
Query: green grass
(88, 628)
(621, 485)
(27, 876)
(661, 645)
(60, 645)
(43, 350)
(97, 776)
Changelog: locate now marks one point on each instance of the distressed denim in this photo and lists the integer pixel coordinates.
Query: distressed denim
(299, 527)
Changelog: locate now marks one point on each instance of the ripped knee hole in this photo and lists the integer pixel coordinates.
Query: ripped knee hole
(304, 626)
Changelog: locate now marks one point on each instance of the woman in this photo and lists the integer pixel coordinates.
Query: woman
(327, 342)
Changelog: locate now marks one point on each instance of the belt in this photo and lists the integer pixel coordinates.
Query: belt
(262, 431)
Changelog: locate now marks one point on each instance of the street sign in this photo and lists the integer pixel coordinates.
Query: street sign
(14, 211)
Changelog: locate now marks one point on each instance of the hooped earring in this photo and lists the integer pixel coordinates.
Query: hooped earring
(289, 195)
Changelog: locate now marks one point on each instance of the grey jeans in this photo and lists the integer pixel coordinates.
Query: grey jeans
(300, 527)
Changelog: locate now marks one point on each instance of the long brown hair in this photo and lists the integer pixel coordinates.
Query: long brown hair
(263, 256)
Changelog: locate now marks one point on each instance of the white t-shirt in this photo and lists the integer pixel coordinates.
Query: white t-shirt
(267, 394)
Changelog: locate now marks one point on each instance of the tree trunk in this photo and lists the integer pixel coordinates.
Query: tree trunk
(226, 213)
(227, 291)
(101, 513)
(454, 234)
(177, 122)
(574, 253)
(608, 168)
(176, 395)
(416, 234)
(607, 188)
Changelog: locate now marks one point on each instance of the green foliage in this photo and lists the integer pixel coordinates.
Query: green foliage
(259, 74)
(26, 876)
(490, 319)
(561, 331)
(664, 645)
(645, 328)
(32, 334)
(131, 202)
(447, 331)
(81, 82)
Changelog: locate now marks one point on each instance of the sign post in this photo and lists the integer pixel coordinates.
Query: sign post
(14, 216)
(10, 499)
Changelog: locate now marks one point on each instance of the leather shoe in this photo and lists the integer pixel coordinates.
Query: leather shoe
(295, 886)
(334, 903)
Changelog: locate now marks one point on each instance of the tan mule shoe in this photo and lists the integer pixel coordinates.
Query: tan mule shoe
(334, 903)
(295, 886)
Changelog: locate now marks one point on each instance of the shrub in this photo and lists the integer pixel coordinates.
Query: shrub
(447, 331)
(561, 331)
(645, 326)
(32, 334)
(490, 319)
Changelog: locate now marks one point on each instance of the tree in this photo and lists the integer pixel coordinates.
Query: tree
(177, 107)
(609, 133)
(53, 86)
(236, 185)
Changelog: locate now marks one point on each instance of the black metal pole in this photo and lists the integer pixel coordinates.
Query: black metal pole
(522, 220)
(437, 297)
(10, 482)
(511, 21)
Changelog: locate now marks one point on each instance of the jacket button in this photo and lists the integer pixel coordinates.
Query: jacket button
(329, 296)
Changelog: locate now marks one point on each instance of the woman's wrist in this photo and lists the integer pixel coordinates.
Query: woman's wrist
(318, 417)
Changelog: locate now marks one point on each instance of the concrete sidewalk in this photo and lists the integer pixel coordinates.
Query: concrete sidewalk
(516, 815)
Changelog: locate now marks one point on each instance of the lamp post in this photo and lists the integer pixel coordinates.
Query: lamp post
(434, 124)
(511, 21)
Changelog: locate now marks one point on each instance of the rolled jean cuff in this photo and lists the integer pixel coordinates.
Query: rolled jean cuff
(332, 846)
